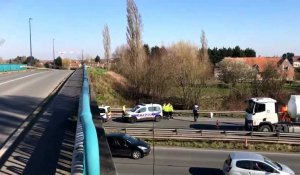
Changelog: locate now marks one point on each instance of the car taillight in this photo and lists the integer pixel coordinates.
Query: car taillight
(228, 168)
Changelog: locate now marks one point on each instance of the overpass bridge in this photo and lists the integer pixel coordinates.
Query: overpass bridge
(44, 142)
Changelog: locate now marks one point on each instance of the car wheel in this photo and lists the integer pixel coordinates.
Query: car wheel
(136, 154)
(265, 128)
(132, 119)
(157, 118)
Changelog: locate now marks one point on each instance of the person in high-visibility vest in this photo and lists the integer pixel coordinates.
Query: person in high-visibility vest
(167, 109)
(164, 110)
(170, 110)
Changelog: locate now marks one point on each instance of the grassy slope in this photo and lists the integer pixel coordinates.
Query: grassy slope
(111, 89)
(108, 87)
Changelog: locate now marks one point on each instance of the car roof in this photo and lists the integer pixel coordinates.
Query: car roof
(246, 156)
(149, 104)
(103, 107)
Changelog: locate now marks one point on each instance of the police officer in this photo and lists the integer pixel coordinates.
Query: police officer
(170, 108)
(164, 110)
(195, 112)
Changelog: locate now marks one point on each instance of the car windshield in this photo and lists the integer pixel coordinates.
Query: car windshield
(135, 109)
(130, 139)
(102, 110)
(272, 163)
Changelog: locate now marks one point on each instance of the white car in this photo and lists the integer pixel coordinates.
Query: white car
(144, 112)
(248, 163)
(105, 113)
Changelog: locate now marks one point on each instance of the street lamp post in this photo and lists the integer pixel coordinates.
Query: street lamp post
(30, 36)
(53, 50)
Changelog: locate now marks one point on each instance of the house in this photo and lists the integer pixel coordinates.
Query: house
(296, 61)
(260, 63)
(75, 64)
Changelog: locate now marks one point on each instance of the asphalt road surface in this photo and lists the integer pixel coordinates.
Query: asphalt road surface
(20, 94)
(183, 122)
(189, 161)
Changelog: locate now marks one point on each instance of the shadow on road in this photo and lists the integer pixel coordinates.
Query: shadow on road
(204, 171)
(46, 145)
(222, 126)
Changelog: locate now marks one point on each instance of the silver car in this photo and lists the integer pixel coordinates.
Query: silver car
(248, 163)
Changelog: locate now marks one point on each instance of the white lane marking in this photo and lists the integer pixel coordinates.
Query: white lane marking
(227, 151)
(19, 78)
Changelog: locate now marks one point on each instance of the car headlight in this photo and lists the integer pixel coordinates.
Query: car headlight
(142, 147)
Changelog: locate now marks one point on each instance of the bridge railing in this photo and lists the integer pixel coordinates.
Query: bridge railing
(12, 67)
(86, 150)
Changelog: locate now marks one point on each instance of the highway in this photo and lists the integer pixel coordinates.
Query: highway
(20, 94)
(182, 122)
(189, 161)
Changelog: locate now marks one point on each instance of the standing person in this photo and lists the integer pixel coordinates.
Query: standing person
(284, 113)
(164, 110)
(195, 112)
(123, 110)
(167, 111)
(170, 110)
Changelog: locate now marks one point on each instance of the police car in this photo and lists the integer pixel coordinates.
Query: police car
(144, 112)
(105, 113)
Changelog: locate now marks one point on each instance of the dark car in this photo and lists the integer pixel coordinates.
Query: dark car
(124, 145)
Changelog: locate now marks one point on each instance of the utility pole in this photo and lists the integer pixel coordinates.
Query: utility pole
(82, 56)
(53, 50)
(30, 36)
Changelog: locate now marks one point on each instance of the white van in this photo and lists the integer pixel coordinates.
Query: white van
(105, 113)
(144, 112)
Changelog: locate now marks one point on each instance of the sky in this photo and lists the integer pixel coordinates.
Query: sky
(270, 27)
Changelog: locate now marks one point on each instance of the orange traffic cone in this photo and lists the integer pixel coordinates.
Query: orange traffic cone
(246, 143)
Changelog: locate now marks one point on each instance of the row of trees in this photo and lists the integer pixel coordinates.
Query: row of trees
(31, 61)
(216, 55)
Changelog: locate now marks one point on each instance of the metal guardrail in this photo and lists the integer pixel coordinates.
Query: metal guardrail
(180, 112)
(193, 134)
(91, 159)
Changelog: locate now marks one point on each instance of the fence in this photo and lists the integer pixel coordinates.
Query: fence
(193, 134)
(86, 149)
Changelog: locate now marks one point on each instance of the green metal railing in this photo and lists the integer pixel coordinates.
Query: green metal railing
(12, 67)
(85, 158)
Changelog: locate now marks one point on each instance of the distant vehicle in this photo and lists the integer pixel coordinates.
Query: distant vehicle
(247, 163)
(144, 112)
(262, 115)
(124, 145)
(105, 113)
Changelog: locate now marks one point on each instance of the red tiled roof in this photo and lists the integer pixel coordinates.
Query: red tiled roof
(261, 62)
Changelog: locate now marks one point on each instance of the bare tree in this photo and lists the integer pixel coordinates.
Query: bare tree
(269, 82)
(232, 72)
(134, 41)
(187, 71)
(204, 49)
(106, 44)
